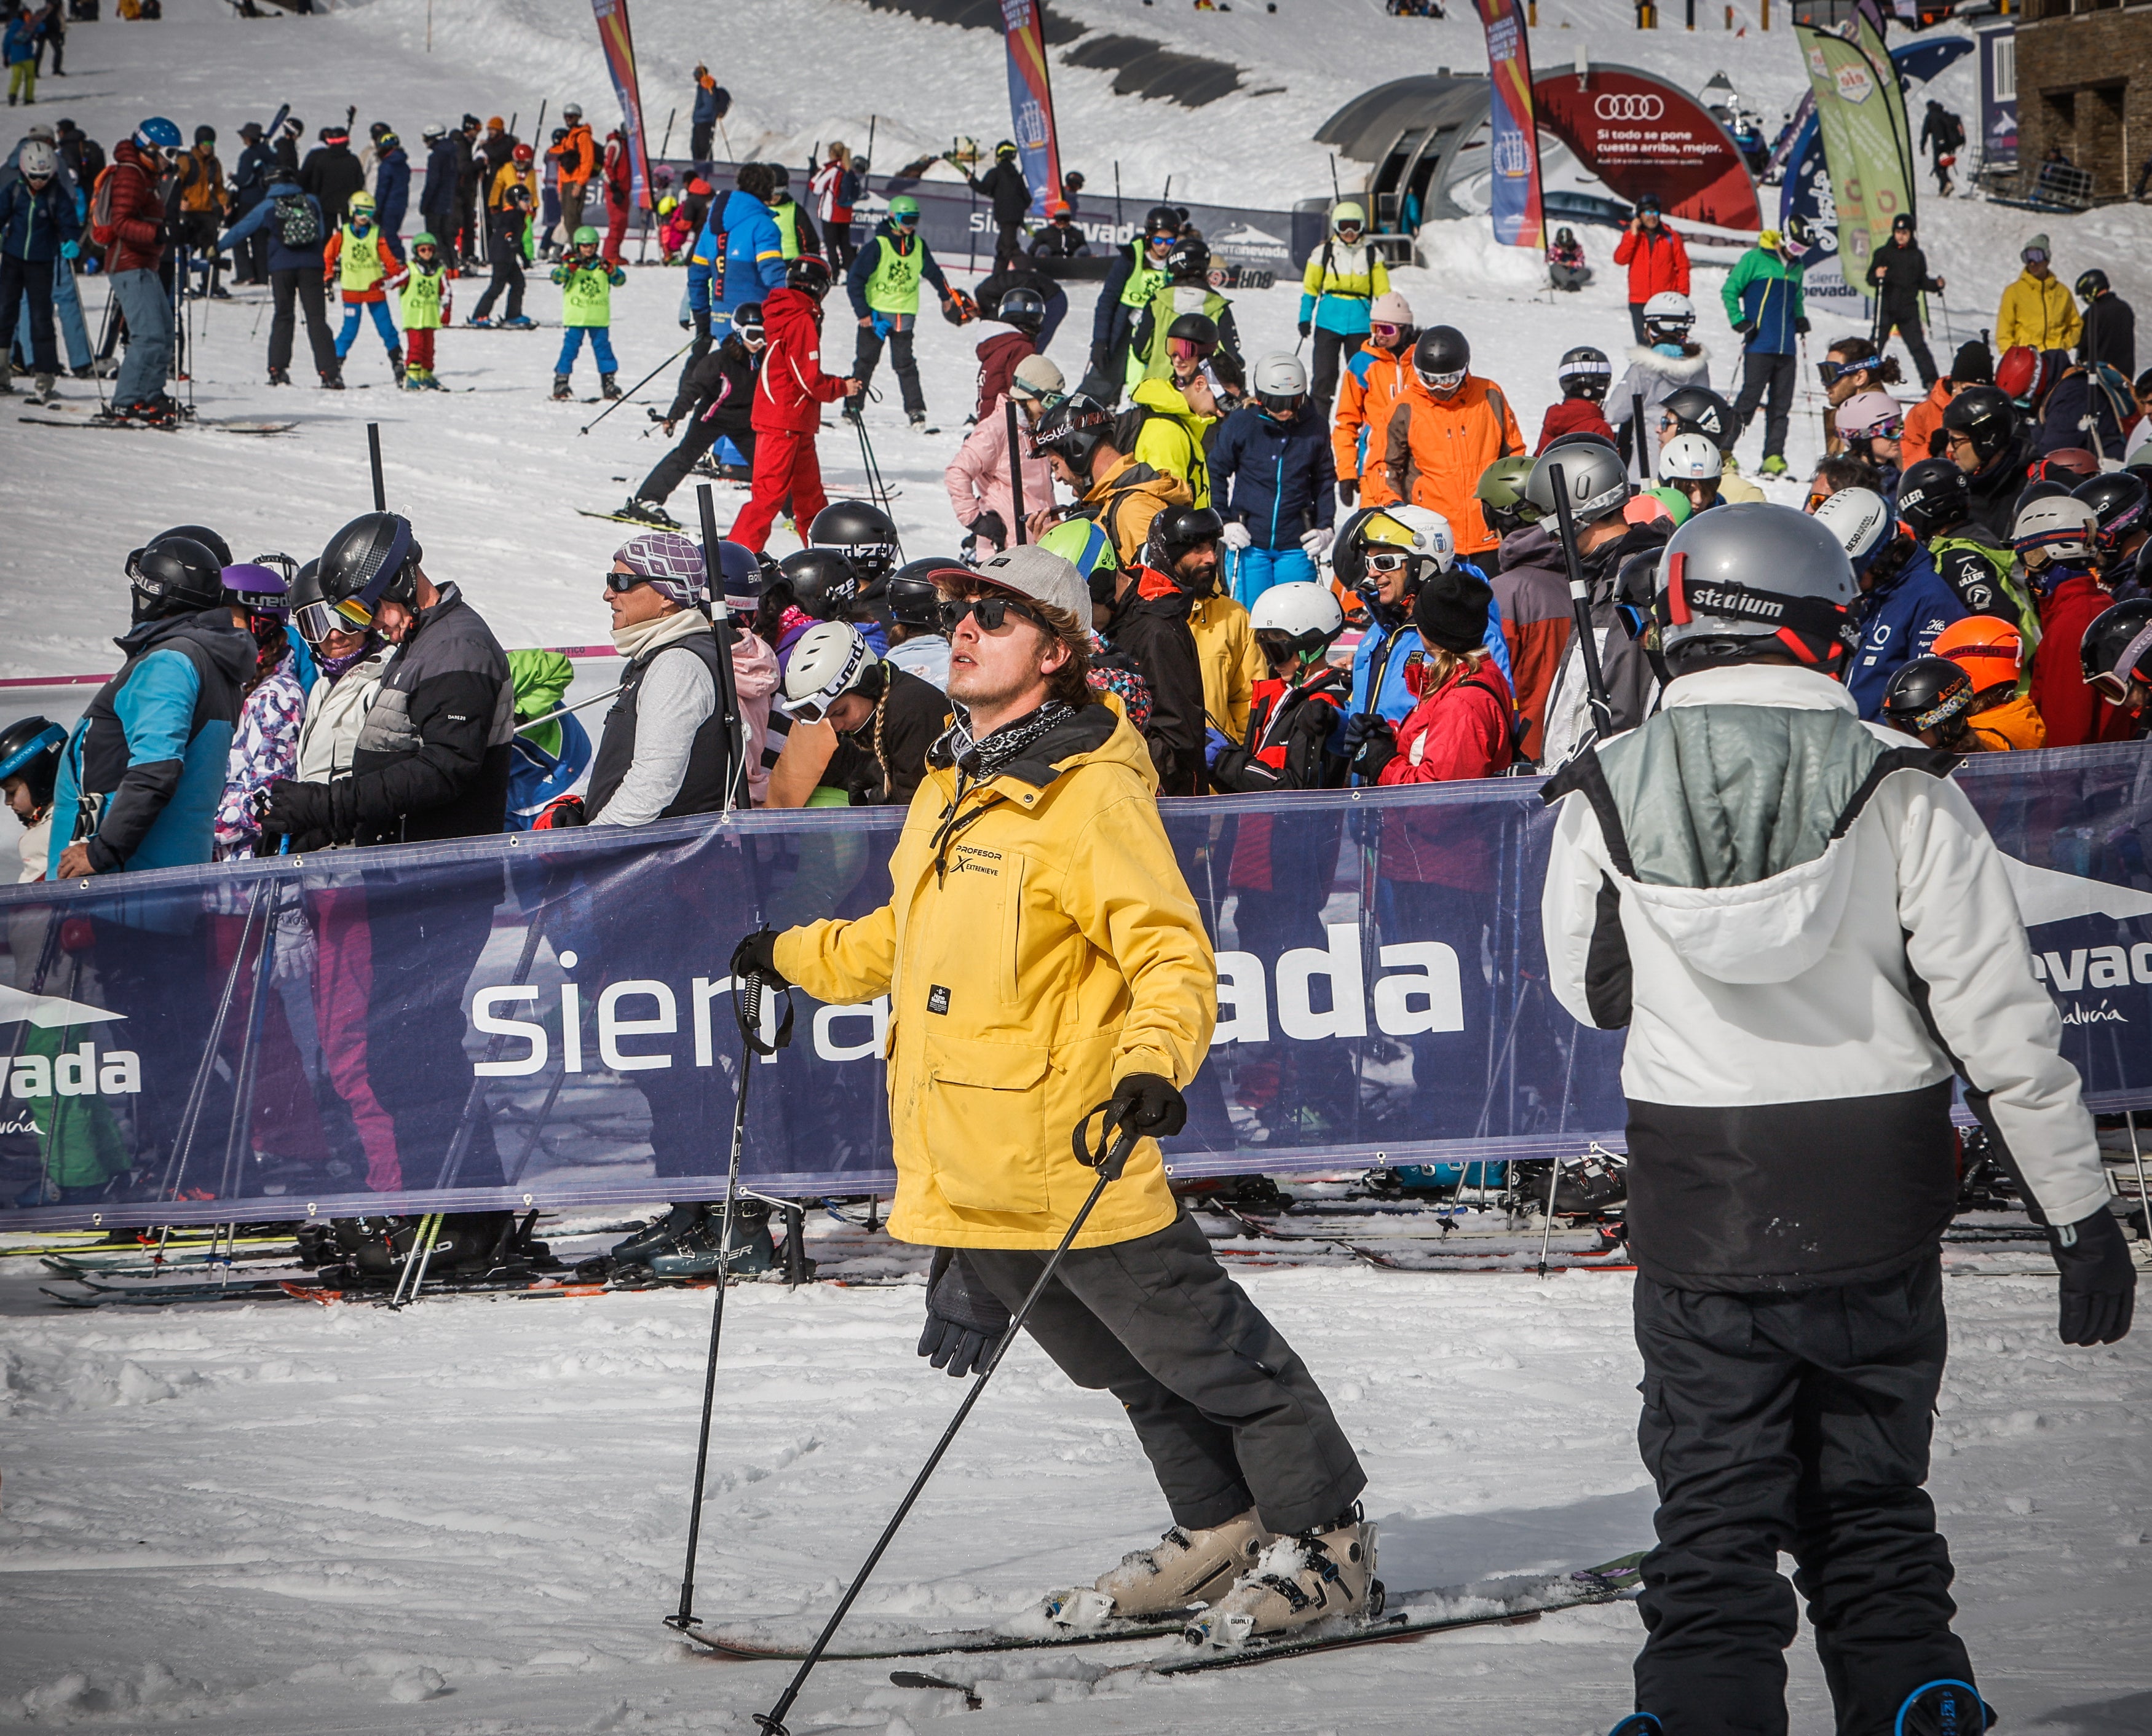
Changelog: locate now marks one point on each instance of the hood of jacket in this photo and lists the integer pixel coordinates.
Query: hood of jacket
(1533, 547)
(1153, 593)
(229, 649)
(1731, 806)
(754, 666)
(1680, 369)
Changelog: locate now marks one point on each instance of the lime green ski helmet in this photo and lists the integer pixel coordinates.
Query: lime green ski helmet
(586, 236)
(904, 205)
(1084, 544)
(1501, 493)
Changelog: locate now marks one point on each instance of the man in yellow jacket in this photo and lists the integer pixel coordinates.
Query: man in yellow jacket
(1044, 959)
(1182, 543)
(2038, 310)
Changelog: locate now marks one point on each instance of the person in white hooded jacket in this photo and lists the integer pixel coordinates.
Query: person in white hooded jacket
(1809, 935)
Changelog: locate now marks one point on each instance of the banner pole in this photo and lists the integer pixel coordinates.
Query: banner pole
(1015, 471)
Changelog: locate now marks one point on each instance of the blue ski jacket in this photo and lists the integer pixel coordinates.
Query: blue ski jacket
(282, 184)
(32, 226)
(752, 261)
(1282, 478)
(391, 190)
(1373, 661)
(1899, 619)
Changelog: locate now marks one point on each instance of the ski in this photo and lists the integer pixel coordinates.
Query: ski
(926, 1643)
(158, 1296)
(621, 518)
(231, 427)
(1608, 1583)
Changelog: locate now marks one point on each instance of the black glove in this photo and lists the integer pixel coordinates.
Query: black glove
(1145, 1103)
(756, 956)
(290, 806)
(1303, 328)
(990, 525)
(2099, 1280)
(1349, 491)
(965, 1320)
(1801, 326)
(1369, 743)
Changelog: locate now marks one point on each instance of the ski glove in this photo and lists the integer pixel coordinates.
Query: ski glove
(1304, 327)
(2099, 1281)
(1145, 1103)
(1216, 742)
(290, 806)
(1801, 326)
(70, 250)
(1743, 328)
(1367, 742)
(965, 1320)
(1349, 491)
(991, 525)
(756, 956)
(1237, 536)
(1315, 543)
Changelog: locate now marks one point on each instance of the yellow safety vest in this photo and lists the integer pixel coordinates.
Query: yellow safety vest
(422, 299)
(894, 287)
(358, 259)
(787, 219)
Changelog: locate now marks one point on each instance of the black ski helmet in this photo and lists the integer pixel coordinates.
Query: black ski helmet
(1700, 410)
(1929, 692)
(913, 594)
(823, 582)
(175, 576)
(2114, 650)
(311, 612)
(747, 319)
(1441, 349)
(1188, 261)
(1933, 496)
(30, 749)
(1586, 372)
(1179, 529)
(201, 534)
(1986, 418)
(373, 560)
(863, 533)
(1073, 430)
(1162, 220)
(2092, 282)
(2119, 499)
(1023, 308)
(1196, 329)
(810, 273)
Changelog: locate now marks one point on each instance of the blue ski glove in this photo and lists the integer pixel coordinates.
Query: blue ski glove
(965, 1320)
(70, 250)
(2099, 1282)
(1216, 742)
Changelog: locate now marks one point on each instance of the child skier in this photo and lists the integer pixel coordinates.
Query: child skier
(361, 258)
(586, 285)
(427, 307)
(1584, 376)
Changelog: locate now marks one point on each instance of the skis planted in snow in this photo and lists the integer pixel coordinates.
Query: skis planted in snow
(927, 1643)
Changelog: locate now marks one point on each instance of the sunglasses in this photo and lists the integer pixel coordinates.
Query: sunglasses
(989, 611)
(621, 583)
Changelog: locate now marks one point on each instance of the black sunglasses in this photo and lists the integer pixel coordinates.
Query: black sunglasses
(990, 612)
(621, 583)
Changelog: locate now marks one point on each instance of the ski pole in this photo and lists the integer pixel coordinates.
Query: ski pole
(748, 991)
(580, 705)
(1117, 1141)
(737, 772)
(1580, 606)
(1637, 422)
(373, 458)
(176, 1165)
(628, 395)
(1015, 471)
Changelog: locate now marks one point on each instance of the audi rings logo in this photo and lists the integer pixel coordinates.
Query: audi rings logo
(1629, 105)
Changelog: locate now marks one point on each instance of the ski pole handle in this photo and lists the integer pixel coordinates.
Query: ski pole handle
(1117, 1143)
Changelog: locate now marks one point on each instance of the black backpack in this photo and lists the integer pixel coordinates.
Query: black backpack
(298, 224)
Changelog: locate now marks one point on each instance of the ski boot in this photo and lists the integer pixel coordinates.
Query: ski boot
(481, 321)
(648, 512)
(1186, 1568)
(6, 379)
(162, 411)
(686, 1243)
(917, 418)
(609, 386)
(562, 391)
(396, 365)
(1317, 1575)
(433, 382)
(521, 322)
(280, 376)
(1774, 465)
(1944, 1709)
(332, 379)
(41, 389)
(1638, 1723)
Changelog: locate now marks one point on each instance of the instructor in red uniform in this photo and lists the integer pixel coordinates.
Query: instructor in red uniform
(787, 404)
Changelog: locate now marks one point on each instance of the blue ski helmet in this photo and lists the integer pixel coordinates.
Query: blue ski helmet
(157, 133)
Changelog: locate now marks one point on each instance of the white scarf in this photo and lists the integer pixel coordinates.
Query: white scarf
(631, 641)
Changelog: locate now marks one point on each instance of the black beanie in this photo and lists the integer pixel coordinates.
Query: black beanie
(1974, 365)
(1451, 610)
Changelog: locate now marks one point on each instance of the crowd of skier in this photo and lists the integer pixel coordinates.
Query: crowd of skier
(1162, 562)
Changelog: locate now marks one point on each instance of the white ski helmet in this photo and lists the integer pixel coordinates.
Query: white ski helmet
(1691, 457)
(831, 660)
(36, 159)
(1860, 521)
(1755, 570)
(1421, 532)
(1307, 613)
(1279, 381)
(1669, 313)
(2058, 528)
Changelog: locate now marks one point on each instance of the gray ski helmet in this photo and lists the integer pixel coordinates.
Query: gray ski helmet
(863, 533)
(1593, 477)
(1586, 372)
(1752, 577)
(373, 560)
(913, 595)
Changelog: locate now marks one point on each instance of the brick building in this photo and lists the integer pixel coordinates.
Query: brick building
(2085, 82)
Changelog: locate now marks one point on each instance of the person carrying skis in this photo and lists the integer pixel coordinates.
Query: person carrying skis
(883, 284)
(1038, 810)
(1807, 932)
(586, 285)
(716, 397)
(787, 406)
(1336, 292)
(428, 304)
(1004, 184)
(1762, 295)
(365, 265)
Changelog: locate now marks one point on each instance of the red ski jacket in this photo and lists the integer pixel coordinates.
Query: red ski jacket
(1573, 415)
(790, 396)
(137, 213)
(2073, 710)
(1656, 261)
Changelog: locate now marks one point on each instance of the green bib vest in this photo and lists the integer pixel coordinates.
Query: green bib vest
(422, 299)
(586, 296)
(358, 259)
(1144, 282)
(894, 287)
(786, 216)
(1155, 364)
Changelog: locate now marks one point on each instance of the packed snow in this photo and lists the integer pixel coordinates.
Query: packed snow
(468, 1517)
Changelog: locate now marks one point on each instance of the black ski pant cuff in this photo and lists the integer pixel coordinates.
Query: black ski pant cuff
(1799, 1423)
(1226, 1411)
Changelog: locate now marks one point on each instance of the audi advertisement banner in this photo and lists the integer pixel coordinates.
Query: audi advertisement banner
(545, 1018)
(1640, 135)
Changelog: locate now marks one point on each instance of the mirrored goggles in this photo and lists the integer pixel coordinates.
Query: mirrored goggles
(1187, 349)
(1444, 381)
(316, 621)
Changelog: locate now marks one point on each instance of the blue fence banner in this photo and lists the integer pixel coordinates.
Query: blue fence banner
(545, 1019)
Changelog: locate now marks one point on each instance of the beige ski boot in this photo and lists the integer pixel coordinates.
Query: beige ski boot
(1317, 1575)
(1184, 1568)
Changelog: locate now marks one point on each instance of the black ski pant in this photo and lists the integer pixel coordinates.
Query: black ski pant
(32, 278)
(1228, 1414)
(838, 244)
(1796, 1423)
(1330, 349)
(671, 470)
(426, 935)
(304, 286)
(698, 141)
(507, 274)
(900, 357)
(1767, 380)
(1008, 244)
(1907, 323)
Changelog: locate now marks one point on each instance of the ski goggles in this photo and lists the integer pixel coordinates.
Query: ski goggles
(1347, 230)
(904, 220)
(1831, 373)
(1280, 406)
(2115, 683)
(2035, 256)
(316, 621)
(1382, 562)
(1444, 382)
(1888, 429)
(1384, 333)
(1188, 349)
(989, 611)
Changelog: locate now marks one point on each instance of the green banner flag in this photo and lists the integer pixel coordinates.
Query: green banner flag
(1862, 112)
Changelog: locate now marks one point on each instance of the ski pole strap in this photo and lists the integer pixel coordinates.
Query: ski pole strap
(747, 990)
(1117, 1142)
